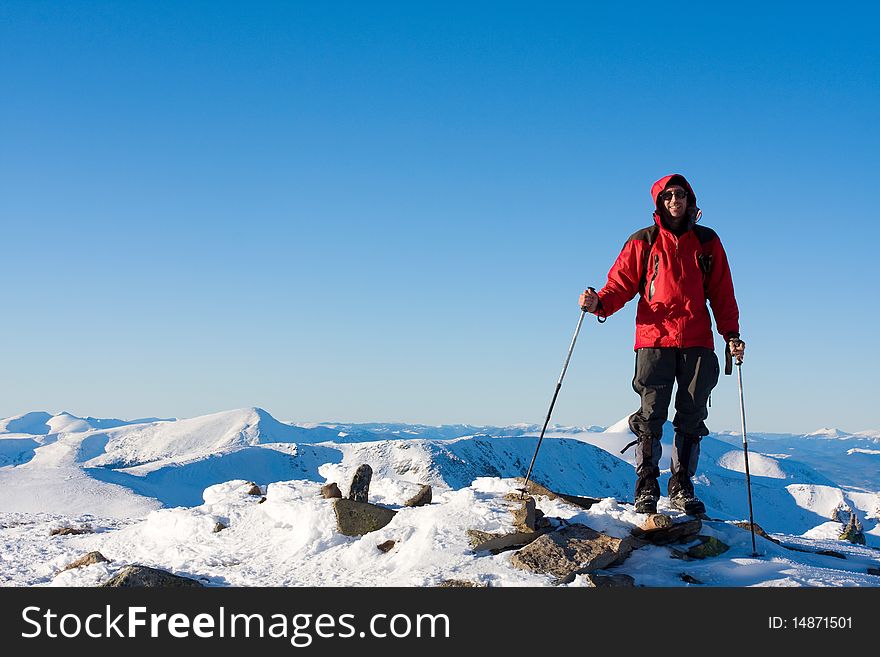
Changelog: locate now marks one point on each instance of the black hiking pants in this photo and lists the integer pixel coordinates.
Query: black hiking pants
(695, 370)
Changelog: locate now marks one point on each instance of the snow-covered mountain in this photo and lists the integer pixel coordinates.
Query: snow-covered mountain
(849, 459)
(120, 474)
(43, 423)
(173, 462)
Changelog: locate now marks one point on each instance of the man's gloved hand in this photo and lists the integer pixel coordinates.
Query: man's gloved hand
(737, 349)
(589, 300)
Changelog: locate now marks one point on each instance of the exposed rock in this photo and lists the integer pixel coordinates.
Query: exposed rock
(687, 578)
(498, 542)
(143, 576)
(87, 560)
(744, 524)
(359, 491)
(537, 489)
(831, 553)
(853, 531)
(254, 489)
(656, 521)
(571, 551)
(71, 531)
(607, 581)
(261, 500)
(219, 527)
(523, 511)
(678, 554)
(386, 546)
(358, 518)
(541, 521)
(460, 583)
(421, 498)
(709, 547)
(677, 532)
(873, 571)
(330, 491)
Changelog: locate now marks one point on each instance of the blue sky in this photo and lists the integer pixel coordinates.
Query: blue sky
(386, 211)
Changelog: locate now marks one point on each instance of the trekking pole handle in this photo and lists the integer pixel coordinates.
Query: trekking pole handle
(600, 315)
(589, 289)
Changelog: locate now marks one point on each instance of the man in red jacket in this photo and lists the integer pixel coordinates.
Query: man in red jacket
(675, 266)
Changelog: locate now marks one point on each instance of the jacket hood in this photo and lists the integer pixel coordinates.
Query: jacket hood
(675, 179)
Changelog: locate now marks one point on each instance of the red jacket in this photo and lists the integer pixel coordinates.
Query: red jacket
(668, 273)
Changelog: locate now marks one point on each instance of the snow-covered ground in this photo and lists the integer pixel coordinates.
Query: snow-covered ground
(151, 491)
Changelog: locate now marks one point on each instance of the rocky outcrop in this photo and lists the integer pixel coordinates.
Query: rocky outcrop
(219, 527)
(421, 498)
(677, 532)
(523, 510)
(542, 521)
(254, 489)
(499, 542)
(571, 551)
(460, 583)
(143, 576)
(759, 531)
(71, 531)
(330, 491)
(386, 545)
(656, 521)
(853, 531)
(708, 547)
(537, 489)
(87, 560)
(529, 523)
(358, 518)
(359, 491)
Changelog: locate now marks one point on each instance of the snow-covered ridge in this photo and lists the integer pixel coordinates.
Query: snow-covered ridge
(83, 469)
(41, 423)
(54, 468)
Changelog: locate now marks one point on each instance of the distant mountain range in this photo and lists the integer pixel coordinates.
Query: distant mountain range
(65, 464)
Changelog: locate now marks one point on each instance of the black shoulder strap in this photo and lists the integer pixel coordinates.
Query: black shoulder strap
(705, 235)
(648, 235)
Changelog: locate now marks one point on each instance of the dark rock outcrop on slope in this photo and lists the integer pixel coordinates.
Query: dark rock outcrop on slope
(577, 500)
(359, 491)
(571, 551)
(421, 498)
(358, 518)
(330, 491)
(677, 532)
(146, 577)
(87, 560)
(71, 531)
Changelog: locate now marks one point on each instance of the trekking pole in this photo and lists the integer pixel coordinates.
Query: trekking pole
(742, 411)
(525, 487)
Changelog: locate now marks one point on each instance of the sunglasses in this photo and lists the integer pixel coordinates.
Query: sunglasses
(673, 193)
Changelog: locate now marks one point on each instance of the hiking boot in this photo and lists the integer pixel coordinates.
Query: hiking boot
(646, 503)
(686, 501)
(647, 495)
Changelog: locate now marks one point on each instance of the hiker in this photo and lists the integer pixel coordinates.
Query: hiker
(675, 266)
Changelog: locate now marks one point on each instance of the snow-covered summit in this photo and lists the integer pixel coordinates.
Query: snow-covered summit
(41, 423)
(827, 432)
(198, 438)
(35, 423)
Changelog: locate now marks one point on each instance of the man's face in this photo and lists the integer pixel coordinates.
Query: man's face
(675, 200)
